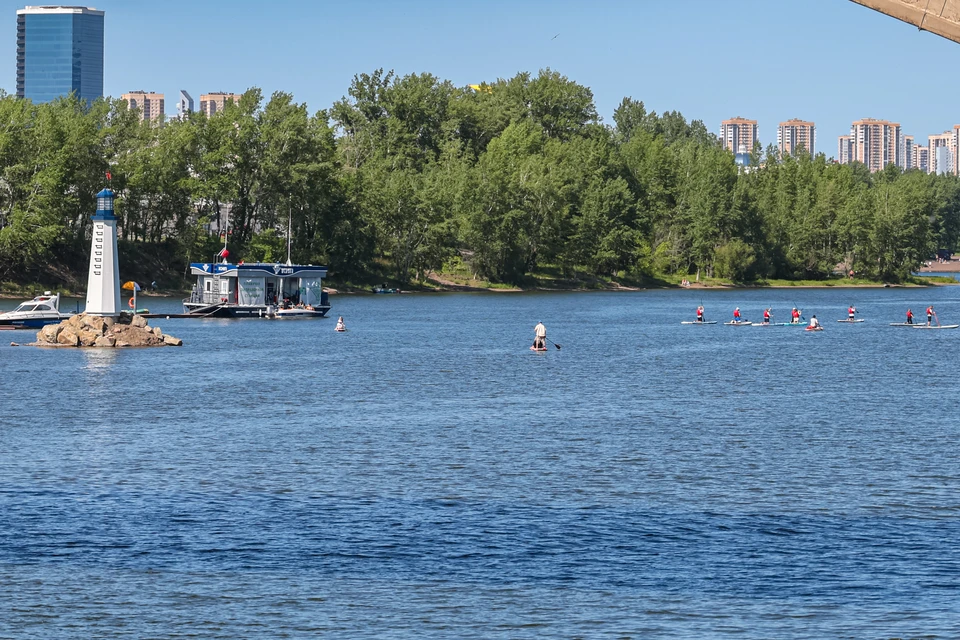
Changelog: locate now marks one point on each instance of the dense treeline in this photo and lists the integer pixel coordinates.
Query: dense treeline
(405, 175)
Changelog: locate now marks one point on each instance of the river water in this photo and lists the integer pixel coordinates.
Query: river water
(425, 475)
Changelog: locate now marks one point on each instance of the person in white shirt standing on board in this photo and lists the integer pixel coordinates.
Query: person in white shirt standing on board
(540, 331)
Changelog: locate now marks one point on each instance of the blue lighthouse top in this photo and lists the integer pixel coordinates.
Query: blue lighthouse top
(104, 206)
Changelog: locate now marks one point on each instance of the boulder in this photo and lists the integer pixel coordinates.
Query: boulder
(173, 342)
(109, 322)
(105, 341)
(88, 337)
(49, 333)
(93, 323)
(68, 337)
(157, 332)
(138, 321)
(74, 321)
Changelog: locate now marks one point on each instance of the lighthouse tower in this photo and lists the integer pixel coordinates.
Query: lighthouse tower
(103, 282)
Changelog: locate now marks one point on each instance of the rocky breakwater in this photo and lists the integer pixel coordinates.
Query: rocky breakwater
(84, 330)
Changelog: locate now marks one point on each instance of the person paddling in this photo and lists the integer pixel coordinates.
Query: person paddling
(795, 316)
(851, 312)
(766, 316)
(814, 323)
(929, 315)
(540, 337)
(736, 314)
(340, 325)
(700, 313)
(909, 316)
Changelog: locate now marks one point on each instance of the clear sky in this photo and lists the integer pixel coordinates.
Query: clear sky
(830, 61)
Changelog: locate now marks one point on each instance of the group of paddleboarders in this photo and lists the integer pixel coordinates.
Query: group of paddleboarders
(795, 316)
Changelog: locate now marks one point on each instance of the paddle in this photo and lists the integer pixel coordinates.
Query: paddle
(553, 343)
(936, 318)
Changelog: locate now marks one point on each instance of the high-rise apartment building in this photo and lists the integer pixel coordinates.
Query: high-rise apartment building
(794, 135)
(921, 158)
(876, 143)
(936, 158)
(906, 153)
(59, 51)
(845, 150)
(210, 103)
(184, 105)
(149, 104)
(738, 134)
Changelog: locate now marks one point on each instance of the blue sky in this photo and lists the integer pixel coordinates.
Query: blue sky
(830, 61)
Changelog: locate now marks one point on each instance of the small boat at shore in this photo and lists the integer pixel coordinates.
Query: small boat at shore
(36, 313)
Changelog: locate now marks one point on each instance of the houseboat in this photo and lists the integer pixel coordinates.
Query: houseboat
(257, 290)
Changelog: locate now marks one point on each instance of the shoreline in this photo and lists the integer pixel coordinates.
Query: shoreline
(452, 287)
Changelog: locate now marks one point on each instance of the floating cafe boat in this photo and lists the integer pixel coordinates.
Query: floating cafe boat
(36, 313)
(257, 290)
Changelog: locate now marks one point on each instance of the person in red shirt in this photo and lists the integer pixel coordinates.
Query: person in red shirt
(929, 315)
(851, 312)
(795, 316)
(766, 316)
(909, 316)
(736, 314)
(700, 313)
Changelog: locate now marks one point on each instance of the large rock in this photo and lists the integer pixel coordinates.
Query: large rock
(93, 323)
(68, 337)
(105, 341)
(49, 333)
(138, 321)
(173, 342)
(157, 332)
(88, 337)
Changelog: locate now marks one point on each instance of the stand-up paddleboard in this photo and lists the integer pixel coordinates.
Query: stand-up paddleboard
(340, 330)
(535, 349)
(813, 329)
(849, 321)
(741, 323)
(695, 322)
(943, 326)
(904, 324)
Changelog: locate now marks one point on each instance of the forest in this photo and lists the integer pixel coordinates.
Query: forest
(407, 176)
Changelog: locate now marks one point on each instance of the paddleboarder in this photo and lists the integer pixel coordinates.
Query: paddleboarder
(909, 316)
(851, 312)
(540, 339)
(814, 323)
(340, 325)
(736, 314)
(929, 315)
(700, 313)
(766, 316)
(795, 316)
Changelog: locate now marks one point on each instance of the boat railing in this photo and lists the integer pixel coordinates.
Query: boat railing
(204, 297)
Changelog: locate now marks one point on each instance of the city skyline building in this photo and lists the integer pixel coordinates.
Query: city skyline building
(211, 103)
(845, 149)
(184, 105)
(795, 134)
(921, 158)
(934, 157)
(59, 52)
(906, 153)
(737, 133)
(151, 105)
(876, 143)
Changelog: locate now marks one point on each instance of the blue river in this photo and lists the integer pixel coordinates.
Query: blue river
(425, 475)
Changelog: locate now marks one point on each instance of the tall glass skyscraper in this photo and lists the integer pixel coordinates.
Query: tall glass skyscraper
(59, 50)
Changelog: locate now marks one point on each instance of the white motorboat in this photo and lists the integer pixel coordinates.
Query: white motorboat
(36, 313)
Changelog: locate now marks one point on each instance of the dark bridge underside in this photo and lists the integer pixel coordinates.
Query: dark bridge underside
(941, 17)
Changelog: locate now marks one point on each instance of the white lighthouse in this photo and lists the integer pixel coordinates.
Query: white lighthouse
(103, 282)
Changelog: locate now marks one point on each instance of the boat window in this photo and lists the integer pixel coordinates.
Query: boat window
(208, 285)
(26, 307)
